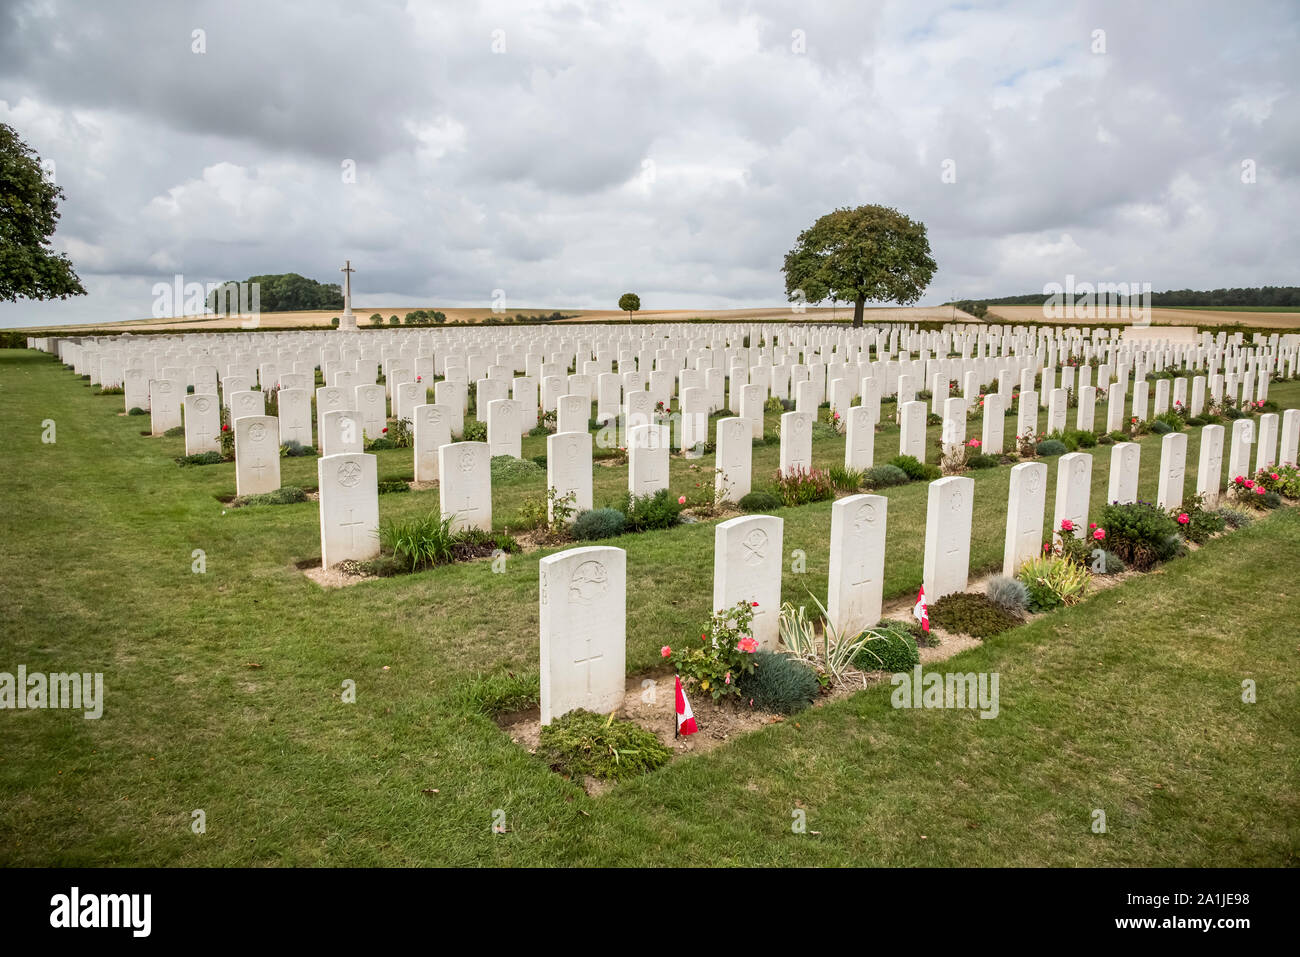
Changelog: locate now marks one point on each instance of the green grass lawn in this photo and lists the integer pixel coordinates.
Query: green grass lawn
(223, 689)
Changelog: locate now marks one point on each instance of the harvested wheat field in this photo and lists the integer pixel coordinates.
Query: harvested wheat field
(1160, 316)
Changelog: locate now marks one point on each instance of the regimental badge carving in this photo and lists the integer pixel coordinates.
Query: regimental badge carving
(349, 474)
(467, 458)
(201, 405)
(256, 432)
(866, 516)
(590, 581)
(755, 543)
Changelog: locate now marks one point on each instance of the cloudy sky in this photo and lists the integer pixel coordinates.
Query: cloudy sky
(567, 152)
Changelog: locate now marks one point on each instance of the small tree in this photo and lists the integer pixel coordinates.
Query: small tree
(871, 252)
(28, 214)
(376, 319)
(393, 321)
(629, 302)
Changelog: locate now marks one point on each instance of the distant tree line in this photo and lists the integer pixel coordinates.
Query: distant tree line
(1264, 296)
(290, 292)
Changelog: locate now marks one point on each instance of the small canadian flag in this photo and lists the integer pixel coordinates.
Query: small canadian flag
(920, 612)
(685, 716)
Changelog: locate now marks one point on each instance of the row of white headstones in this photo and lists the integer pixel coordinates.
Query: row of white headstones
(583, 590)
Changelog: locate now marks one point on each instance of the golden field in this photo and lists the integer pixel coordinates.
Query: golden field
(1011, 314)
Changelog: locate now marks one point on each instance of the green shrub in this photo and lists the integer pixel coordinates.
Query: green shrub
(779, 683)
(1051, 447)
(1010, 593)
(970, 613)
(1140, 533)
(506, 467)
(285, 495)
(389, 486)
(1236, 518)
(201, 458)
(799, 486)
(474, 431)
(597, 745)
(295, 449)
(773, 404)
(175, 432)
(1196, 420)
(884, 476)
(1052, 581)
(912, 467)
(646, 512)
(894, 650)
(136, 410)
(1160, 427)
(599, 523)
(111, 390)
(1108, 563)
(1084, 438)
(380, 444)
(759, 502)
(982, 461)
(1201, 523)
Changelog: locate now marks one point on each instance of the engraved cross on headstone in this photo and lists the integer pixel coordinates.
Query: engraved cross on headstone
(587, 662)
(351, 527)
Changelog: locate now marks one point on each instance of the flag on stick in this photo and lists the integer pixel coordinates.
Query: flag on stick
(920, 612)
(685, 717)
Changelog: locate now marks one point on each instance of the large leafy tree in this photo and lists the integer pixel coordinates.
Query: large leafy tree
(28, 213)
(629, 302)
(871, 253)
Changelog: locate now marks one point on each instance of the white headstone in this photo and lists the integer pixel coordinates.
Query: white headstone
(747, 567)
(431, 424)
(582, 604)
(465, 485)
(1122, 487)
(568, 469)
(647, 459)
(1026, 500)
(735, 453)
(796, 440)
(1173, 468)
(857, 562)
(349, 507)
(257, 454)
(202, 424)
(949, 508)
(1073, 489)
(341, 433)
(1209, 472)
(859, 439)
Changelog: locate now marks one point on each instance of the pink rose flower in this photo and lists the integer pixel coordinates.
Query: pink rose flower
(1067, 525)
(1183, 518)
(681, 500)
(1259, 490)
(1099, 534)
(665, 651)
(748, 645)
